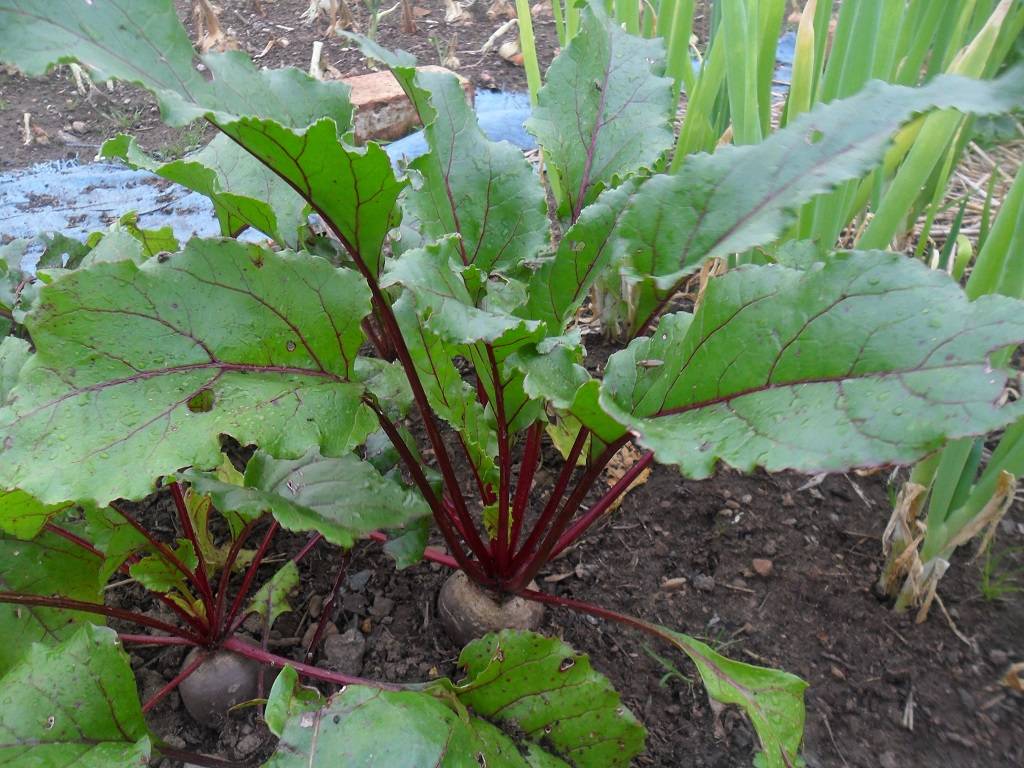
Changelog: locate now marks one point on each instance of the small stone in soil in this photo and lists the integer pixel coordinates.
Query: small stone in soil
(704, 583)
(997, 657)
(329, 630)
(763, 567)
(357, 581)
(354, 604)
(345, 652)
(248, 744)
(316, 605)
(382, 606)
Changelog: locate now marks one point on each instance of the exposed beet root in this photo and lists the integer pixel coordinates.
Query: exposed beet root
(223, 680)
(468, 612)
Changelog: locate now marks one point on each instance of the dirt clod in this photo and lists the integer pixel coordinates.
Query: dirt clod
(704, 583)
(344, 652)
(763, 567)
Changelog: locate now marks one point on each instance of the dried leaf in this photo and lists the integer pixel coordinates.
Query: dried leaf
(1013, 677)
(621, 463)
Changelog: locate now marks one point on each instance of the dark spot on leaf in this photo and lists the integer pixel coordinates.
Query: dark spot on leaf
(162, 257)
(337, 719)
(290, 346)
(481, 760)
(567, 664)
(201, 401)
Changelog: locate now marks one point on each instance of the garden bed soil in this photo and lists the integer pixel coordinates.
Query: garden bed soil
(69, 125)
(815, 614)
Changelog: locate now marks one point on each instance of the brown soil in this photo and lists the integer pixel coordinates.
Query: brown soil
(67, 124)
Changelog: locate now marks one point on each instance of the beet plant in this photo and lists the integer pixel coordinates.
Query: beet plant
(408, 364)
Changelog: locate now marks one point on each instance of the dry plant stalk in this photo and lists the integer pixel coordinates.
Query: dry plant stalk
(209, 35)
(619, 465)
(408, 18)
(337, 12)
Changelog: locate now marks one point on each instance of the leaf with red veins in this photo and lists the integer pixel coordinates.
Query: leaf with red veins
(139, 370)
(353, 189)
(46, 565)
(865, 360)
(605, 110)
(73, 704)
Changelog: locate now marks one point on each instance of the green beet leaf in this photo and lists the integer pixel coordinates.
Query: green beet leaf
(114, 536)
(772, 699)
(47, 565)
(354, 190)
(343, 498)
(406, 548)
(157, 361)
(434, 275)
(743, 196)
(14, 353)
(271, 600)
(527, 701)
(244, 192)
(452, 398)
(73, 704)
(605, 110)
(541, 687)
(158, 575)
(586, 251)
(484, 191)
(868, 359)
(23, 516)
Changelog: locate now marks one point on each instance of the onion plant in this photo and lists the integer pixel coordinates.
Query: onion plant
(404, 367)
(960, 502)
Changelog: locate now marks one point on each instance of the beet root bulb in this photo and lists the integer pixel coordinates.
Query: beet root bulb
(467, 611)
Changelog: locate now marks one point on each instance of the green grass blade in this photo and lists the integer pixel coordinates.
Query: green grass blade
(805, 62)
(529, 47)
(770, 13)
(741, 39)
(700, 129)
(675, 25)
(559, 18)
(627, 13)
(937, 135)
